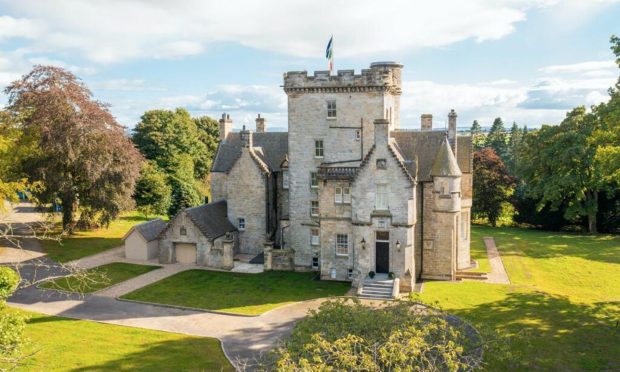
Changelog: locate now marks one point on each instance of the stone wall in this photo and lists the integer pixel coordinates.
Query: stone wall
(359, 100)
(246, 197)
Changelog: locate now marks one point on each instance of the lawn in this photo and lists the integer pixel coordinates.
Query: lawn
(63, 344)
(249, 294)
(86, 243)
(103, 276)
(563, 306)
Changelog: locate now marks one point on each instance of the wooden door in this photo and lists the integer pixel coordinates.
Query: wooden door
(382, 262)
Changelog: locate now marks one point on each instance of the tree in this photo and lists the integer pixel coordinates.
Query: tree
(558, 166)
(162, 135)
(496, 139)
(607, 135)
(152, 193)
(12, 323)
(492, 183)
(83, 157)
(185, 191)
(515, 139)
(209, 135)
(403, 336)
(477, 136)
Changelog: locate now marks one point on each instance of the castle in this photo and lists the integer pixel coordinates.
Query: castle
(346, 191)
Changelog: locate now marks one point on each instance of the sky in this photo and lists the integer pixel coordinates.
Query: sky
(526, 61)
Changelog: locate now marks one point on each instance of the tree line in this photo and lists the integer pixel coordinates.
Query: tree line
(556, 176)
(65, 147)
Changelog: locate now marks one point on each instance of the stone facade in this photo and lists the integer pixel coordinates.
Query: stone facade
(350, 192)
(216, 253)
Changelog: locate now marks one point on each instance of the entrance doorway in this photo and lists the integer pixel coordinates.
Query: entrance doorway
(382, 252)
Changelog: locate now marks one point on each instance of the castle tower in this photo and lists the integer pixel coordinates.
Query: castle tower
(441, 252)
(330, 121)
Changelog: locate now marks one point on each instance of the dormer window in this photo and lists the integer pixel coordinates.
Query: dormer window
(331, 109)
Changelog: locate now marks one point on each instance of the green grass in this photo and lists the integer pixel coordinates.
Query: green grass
(86, 243)
(102, 277)
(563, 306)
(62, 344)
(479, 251)
(249, 294)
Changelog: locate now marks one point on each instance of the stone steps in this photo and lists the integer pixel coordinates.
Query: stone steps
(460, 275)
(377, 290)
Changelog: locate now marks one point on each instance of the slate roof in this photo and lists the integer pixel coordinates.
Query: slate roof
(445, 162)
(149, 230)
(274, 147)
(211, 219)
(419, 150)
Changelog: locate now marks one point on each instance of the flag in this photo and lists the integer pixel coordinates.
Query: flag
(329, 54)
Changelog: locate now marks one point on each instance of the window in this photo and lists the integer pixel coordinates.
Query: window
(381, 202)
(314, 208)
(315, 262)
(314, 181)
(342, 244)
(241, 224)
(331, 109)
(444, 190)
(358, 135)
(315, 236)
(343, 195)
(350, 274)
(183, 231)
(318, 148)
(285, 179)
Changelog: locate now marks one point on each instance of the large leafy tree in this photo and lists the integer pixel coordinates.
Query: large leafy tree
(152, 193)
(163, 135)
(515, 139)
(607, 135)
(83, 157)
(496, 139)
(557, 164)
(492, 183)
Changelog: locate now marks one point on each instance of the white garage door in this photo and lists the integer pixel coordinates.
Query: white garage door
(186, 253)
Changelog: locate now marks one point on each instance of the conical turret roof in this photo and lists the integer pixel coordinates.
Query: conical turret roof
(445, 163)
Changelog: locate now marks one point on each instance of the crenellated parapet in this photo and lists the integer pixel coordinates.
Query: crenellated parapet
(380, 77)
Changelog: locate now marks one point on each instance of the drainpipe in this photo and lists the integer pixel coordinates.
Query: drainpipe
(422, 232)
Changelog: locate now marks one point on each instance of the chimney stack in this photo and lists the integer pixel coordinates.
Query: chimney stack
(246, 137)
(225, 127)
(260, 124)
(382, 132)
(427, 122)
(452, 129)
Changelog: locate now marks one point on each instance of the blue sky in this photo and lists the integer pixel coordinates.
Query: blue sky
(527, 61)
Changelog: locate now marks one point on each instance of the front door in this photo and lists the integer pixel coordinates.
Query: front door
(382, 252)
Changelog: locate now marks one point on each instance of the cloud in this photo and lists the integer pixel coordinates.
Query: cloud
(18, 28)
(124, 85)
(582, 67)
(114, 31)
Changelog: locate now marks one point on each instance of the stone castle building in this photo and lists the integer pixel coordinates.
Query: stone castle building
(346, 191)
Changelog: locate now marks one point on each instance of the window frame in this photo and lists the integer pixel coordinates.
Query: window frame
(332, 112)
(314, 180)
(241, 223)
(318, 262)
(286, 180)
(342, 197)
(319, 148)
(315, 240)
(314, 208)
(381, 198)
(342, 244)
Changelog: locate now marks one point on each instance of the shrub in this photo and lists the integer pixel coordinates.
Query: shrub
(371, 274)
(346, 335)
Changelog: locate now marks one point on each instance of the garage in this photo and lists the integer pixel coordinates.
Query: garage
(185, 253)
(142, 240)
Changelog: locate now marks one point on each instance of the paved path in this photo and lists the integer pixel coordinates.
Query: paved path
(498, 273)
(141, 281)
